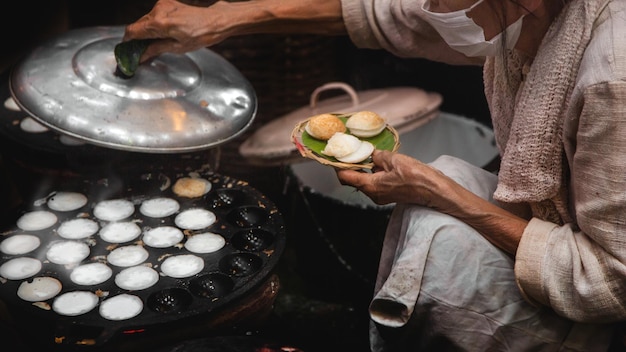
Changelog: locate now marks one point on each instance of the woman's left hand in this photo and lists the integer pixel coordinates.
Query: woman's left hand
(398, 178)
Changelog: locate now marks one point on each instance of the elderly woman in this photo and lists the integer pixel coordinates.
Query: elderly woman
(533, 258)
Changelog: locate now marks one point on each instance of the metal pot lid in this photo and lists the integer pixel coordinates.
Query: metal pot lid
(175, 103)
(404, 108)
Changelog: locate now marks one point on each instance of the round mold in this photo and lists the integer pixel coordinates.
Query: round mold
(248, 216)
(169, 300)
(252, 240)
(211, 285)
(227, 197)
(240, 264)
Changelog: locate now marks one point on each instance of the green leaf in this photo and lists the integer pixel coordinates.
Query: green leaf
(127, 55)
(382, 141)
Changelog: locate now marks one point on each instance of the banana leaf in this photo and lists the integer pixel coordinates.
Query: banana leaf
(382, 141)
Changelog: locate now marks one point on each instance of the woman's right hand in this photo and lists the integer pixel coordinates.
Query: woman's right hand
(180, 28)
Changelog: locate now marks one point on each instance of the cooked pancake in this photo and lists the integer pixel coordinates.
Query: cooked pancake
(205, 243)
(161, 207)
(365, 124)
(29, 125)
(19, 244)
(181, 266)
(39, 289)
(120, 232)
(128, 256)
(36, 220)
(67, 252)
(75, 303)
(77, 228)
(162, 237)
(114, 209)
(121, 307)
(195, 219)
(324, 126)
(66, 201)
(11, 104)
(20, 268)
(191, 187)
(91, 274)
(136, 278)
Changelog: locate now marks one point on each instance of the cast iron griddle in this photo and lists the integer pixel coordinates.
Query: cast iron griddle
(250, 223)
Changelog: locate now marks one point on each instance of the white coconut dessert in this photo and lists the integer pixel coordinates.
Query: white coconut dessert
(67, 252)
(29, 125)
(19, 244)
(128, 256)
(120, 232)
(70, 141)
(20, 268)
(348, 148)
(114, 209)
(121, 307)
(36, 220)
(159, 207)
(182, 266)
(75, 303)
(10, 104)
(39, 289)
(66, 201)
(136, 278)
(91, 274)
(195, 219)
(77, 228)
(162, 236)
(207, 242)
(365, 124)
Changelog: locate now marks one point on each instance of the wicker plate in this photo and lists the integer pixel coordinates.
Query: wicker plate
(310, 147)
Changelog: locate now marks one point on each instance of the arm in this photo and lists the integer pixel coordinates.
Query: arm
(580, 269)
(402, 179)
(395, 26)
(184, 28)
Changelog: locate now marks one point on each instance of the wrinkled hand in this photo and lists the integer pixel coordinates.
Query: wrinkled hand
(179, 28)
(397, 178)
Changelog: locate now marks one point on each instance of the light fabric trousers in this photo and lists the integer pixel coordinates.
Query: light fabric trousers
(441, 286)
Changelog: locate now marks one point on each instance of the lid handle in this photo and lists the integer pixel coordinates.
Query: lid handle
(334, 85)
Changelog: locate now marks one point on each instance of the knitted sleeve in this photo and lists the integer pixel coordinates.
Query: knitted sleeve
(580, 270)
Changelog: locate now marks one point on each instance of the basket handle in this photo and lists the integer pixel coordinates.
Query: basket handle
(334, 85)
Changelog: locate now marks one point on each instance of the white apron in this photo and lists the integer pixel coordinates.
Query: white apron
(441, 286)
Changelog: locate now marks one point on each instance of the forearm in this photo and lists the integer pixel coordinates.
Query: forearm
(281, 16)
(499, 226)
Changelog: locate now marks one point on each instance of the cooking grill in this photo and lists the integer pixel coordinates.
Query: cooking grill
(249, 222)
(236, 282)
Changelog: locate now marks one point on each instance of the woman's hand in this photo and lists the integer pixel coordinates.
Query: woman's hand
(401, 179)
(397, 178)
(181, 28)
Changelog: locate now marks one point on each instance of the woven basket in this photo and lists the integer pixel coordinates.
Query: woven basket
(296, 138)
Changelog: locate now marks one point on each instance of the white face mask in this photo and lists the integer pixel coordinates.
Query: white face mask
(464, 35)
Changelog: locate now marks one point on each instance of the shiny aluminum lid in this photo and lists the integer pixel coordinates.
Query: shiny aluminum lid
(404, 108)
(173, 104)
